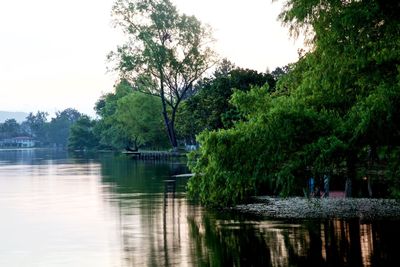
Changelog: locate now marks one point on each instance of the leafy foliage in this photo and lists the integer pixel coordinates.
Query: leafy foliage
(38, 126)
(267, 153)
(82, 135)
(111, 134)
(209, 108)
(332, 112)
(9, 128)
(130, 119)
(165, 54)
(140, 116)
(59, 127)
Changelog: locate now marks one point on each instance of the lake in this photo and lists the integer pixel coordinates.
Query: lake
(58, 209)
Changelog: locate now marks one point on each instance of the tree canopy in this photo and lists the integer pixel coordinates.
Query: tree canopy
(110, 133)
(140, 116)
(209, 108)
(38, 126)
(9, 128)
(129, 119)
(59, 127)
(335, 112)
(82, 135)
(165, 53)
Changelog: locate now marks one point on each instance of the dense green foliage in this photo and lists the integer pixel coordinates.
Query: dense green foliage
(165, 53)
(140, 116)
(108, 131)
(10, 128)
(59, 127)
(130, 119)
(82, 136)
(38, 126)
(335, 112)
(209, 107)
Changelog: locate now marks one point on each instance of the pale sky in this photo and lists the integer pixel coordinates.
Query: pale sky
(53, 52)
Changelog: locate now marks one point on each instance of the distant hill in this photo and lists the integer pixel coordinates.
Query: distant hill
(18, 116)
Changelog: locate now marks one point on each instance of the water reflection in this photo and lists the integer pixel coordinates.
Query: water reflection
(269, 243)
(107, 210)
(31, 156)
(159, 228)
(152, 211)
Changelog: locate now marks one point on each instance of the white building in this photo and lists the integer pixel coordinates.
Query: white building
(21, 141)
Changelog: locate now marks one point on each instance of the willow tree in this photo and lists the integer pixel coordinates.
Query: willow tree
(354, 70)
(165, 52)
(336, 110)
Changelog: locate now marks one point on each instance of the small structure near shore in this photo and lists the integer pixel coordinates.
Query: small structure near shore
(154, 155)
(18, 142)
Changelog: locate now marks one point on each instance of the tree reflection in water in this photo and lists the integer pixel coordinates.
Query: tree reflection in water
(126, 213)
(223, 242)
(158, 227)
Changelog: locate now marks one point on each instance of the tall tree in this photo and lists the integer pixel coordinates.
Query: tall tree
(165, 54)
(38, 125)
(10, 128)
(59, 126)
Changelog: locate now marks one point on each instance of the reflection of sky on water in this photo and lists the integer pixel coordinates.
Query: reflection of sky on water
(114, 211)
(53, 215)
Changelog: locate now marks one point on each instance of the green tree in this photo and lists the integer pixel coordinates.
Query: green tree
(10, 128)
(59, 127)
(129, 119)
(82, 135)
(336, 109)
(166, 52)
(353, 70)
(38, 126)
(209, 107)
(139, 115)
(269, 151)
(111, 133)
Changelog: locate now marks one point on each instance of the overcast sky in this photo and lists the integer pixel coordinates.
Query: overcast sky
(53, 52)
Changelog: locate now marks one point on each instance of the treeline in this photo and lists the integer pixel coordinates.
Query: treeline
(162, 100)
(53, 133)
(128, 118)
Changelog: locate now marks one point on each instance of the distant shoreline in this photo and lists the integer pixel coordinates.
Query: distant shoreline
(18, 148)
(29, 148)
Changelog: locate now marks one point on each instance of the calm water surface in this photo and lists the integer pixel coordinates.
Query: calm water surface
(105, 210)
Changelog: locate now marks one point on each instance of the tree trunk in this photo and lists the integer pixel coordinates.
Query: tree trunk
(172, 136)
(369, 187)
(348, 187)
(169, 124)
(372, 158)
(172, 125)
(351, 174)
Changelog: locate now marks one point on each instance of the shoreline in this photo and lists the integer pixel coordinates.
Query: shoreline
(322, 208)
(24, 148)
